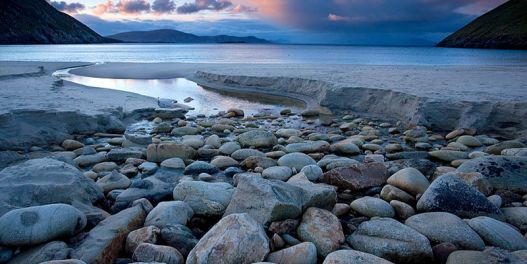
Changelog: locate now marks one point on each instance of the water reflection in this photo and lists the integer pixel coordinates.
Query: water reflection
(206, 101)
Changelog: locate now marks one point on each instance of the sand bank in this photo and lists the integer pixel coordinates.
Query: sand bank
(38, 109)
(488, 98)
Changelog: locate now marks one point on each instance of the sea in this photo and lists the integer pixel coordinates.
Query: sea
(262, 53)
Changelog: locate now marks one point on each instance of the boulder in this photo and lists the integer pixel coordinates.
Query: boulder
(312, 172)
(147, 252)
(257, 139)
(104, 242)
(308, 147)
(400, 243)
(163, 151)
(410, 180)
(236, 238)
(390, 193)
(242, 154)
(449, 193)
(209, 199)
(223, 162)
(112, 181)
(70, 144)
(179, 237)
(314, 195)
(281, 173)
(197, 167)
(516, 216)
(497, 233)
(440, 227)
(357, 177)
(56, 250)
(264, 200)
(502, 172)
(448, 155)
(371, 206)
(346, 146)
(229, 148)
(288, 132)
(497, 148)
(322, 228)
(183, 131)
(488, 256)
(122, 154)
(166, 213)
(38, 224)
(296, 160)
(147, 234)
(348, 256)
(46, 181)
(89, 160)
(173, 163)
(303, 253)
(254, 162)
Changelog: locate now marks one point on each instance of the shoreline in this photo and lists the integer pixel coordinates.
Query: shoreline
(309, 83)
(455, 97)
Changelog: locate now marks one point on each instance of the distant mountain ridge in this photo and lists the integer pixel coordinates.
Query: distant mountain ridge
(37, 22)
(504, 27)
(175, 36)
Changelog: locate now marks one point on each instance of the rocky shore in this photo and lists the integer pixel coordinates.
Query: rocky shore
(289, 188)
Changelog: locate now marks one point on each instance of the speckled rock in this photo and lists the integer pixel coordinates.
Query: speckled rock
(322, 228)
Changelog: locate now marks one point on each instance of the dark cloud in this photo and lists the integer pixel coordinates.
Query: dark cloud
(133, 6)
(69, 8)
(164, 6)
(352, 21)
(199, 5)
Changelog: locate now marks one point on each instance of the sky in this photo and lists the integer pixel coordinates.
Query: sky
(355, 22)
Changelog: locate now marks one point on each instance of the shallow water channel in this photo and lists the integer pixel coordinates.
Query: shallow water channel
(204, 100)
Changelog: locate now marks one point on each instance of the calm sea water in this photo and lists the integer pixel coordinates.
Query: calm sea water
(242, 53)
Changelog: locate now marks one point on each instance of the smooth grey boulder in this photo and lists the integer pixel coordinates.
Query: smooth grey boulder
(296, 160)
(147, 234)
(497, 233)
(348, 256)
(229, 148)
(449, 193)
(166, 213)
(38, 224)
(303, 253)
(265, 201)
(179, 237)
(281, 173)
(223, 162)
(242, 154)
(121, 154)
(400, 243)
(112, 181)
(308, 147)
(322, 228)
(257, 139)
(155, 188)
(440, 227)
(104, 242)
(197, 167)
(147, 252)
(46, 181)
(314, 195)
(236, 238)
(410, 180)
(55, 250)
(516, 216)
(312, 172)
(89, 160)
(204, 198)
(491, 255)
(502, 172)
(371, 206)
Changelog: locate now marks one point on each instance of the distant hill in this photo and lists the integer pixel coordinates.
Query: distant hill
(504, 27)
(37, 22)
(175, 36)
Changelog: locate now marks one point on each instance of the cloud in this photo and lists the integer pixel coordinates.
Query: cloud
(163, 6)
(199, 5)
(133, 6)
(71, 8)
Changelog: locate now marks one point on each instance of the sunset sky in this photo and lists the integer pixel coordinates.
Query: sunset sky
(362, 22)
